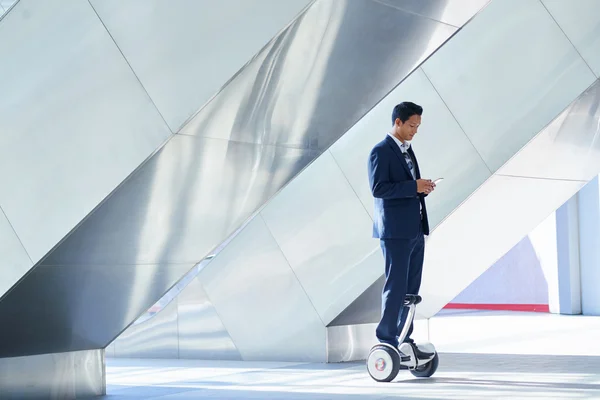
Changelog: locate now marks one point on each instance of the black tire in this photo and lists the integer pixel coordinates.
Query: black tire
(428, 369)
(395, 364)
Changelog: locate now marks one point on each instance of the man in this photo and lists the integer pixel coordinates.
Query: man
(400, 220)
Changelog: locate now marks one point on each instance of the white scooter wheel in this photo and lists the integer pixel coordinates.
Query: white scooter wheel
(383, 363)
(427, 370)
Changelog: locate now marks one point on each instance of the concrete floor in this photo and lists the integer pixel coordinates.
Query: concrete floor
(482, 355)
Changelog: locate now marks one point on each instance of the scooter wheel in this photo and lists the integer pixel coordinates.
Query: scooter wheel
(383, 363)
(427, 370)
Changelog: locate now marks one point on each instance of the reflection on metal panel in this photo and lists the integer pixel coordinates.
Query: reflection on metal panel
(579, 20)
(366, 309)
(571, 142)
(504, 81)
(304, 95)
(156, 338)
(184, 51)
(182, 203)
(321, 75)
(80, 307)
(14, 261)
(74, 120)
(321, 227)
(451, 12)
(201, 332)
(260, 301)
(74, 375)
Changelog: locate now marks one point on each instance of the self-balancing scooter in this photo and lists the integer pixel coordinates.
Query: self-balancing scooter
(384, 361)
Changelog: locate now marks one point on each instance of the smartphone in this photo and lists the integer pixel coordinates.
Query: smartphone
(438, 180)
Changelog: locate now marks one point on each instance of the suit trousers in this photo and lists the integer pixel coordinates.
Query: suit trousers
(403, 271)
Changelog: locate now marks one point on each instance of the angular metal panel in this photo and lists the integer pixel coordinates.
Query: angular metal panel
(579, 20)
(201, 332)
(366, 309)
(321, 75)
(74, 375)
(14, 261)
(571, 141)
(322, 229)
(501, 105)
(182, 203)
(451, 12)
(154, 338)
(184, 51)
(260, 301)
(66, 308)
(73, 129)
(484, 228)
(438, 145)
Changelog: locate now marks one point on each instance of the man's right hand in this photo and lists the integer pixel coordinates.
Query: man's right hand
(425, 186)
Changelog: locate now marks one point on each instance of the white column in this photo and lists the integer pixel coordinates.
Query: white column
(589, 247)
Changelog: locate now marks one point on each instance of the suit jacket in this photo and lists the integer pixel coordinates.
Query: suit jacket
(397, 203)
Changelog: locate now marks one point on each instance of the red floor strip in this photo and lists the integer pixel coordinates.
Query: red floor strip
(499, 307)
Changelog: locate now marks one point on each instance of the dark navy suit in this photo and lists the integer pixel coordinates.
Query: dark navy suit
(400, 222)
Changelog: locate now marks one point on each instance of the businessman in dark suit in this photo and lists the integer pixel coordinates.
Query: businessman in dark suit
(400, 220)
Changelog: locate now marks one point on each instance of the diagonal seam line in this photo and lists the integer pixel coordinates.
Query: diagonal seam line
(18, 238)
(569, 39)
(130, 67)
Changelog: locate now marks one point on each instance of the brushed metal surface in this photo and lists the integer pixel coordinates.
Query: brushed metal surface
(507, 75)
(260, 301)
(60, 376)
(182, 203)
(156, 338)
(321, 228)
(321, 75)
(451, 12)
(579, 20)
(79, 307)
(74, 120)
(14, 261)
(184, 51)
(571, 142)
(201, 331)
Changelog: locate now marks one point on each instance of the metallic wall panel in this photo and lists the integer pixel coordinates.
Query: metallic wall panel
(201, 332)
(438, 145)
(321, 75)
(184, 51)
(501, 105)
(154, 338)
(66, 308)
(182, 203)
(322, 229)
(73, 129)
(365, 309)
(451, 12)
(494, 219)
(14, 261)
(74, 375)
(260, 301)
(571, 141)
(579, 20)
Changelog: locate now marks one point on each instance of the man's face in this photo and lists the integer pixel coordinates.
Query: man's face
(408, 129)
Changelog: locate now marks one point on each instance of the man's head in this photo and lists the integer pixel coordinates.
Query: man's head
(406, 119)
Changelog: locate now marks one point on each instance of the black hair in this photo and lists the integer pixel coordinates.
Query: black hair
(405, 110)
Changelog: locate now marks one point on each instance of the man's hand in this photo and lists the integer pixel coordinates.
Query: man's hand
(425, 186)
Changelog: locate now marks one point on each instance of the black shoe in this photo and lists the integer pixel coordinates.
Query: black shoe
(421, 355)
